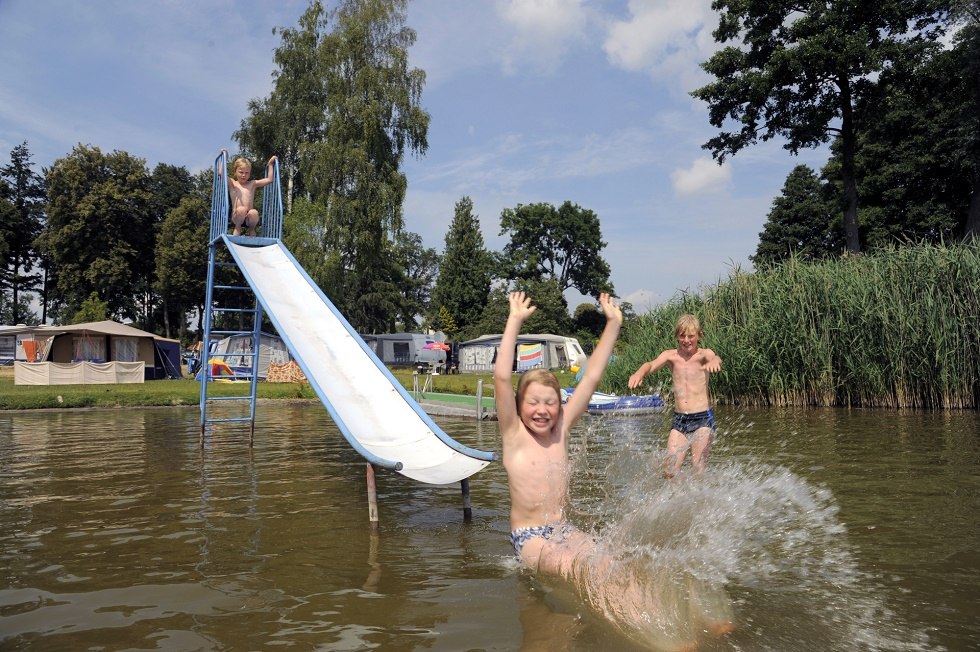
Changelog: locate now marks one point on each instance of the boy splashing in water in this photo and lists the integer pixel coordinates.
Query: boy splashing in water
(535, 427)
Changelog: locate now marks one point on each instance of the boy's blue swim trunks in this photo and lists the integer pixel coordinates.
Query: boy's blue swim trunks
(688, 423)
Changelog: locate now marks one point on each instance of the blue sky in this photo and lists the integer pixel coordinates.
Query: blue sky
(531, 101)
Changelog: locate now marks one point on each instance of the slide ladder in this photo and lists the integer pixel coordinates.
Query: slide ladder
(231, 308)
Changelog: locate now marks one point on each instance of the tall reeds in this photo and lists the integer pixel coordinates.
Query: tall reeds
(895, 328)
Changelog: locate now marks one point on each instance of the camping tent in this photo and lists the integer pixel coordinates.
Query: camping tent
(94, 352)
(236, 350)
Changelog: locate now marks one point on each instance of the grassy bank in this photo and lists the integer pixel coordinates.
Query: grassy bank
(186, 392)
(896, 328)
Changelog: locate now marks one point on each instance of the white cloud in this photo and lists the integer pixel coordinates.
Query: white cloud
(544, 31)
(667, 39)
(704, 175)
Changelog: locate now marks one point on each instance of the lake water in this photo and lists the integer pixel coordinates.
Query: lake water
(826, 529)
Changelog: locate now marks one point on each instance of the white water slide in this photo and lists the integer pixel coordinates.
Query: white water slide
(377, 416)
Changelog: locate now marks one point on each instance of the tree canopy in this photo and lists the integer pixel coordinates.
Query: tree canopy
(100, 231)
(562, 244)
(346, 91)
(803, 68)
(802, 221)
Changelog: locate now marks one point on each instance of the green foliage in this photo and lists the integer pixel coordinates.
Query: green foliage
(801, 222)
(417, 267)
(896, 328)
(182, 261)
(562, 244)
(465, 271)
(92, 309)
(22, 195)
(551, 315)
(803, 69)
(444, 322)
(100, 231)
(293, 114)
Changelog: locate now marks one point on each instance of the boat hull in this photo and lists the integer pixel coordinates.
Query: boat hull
(611, 404)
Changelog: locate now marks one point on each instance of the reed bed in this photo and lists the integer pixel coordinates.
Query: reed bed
(897, 328)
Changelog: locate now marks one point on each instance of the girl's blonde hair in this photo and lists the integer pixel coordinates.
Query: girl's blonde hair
(542, 376)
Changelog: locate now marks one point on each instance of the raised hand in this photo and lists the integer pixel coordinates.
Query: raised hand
(520, 305)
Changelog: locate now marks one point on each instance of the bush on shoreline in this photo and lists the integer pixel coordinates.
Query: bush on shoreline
(898, 328)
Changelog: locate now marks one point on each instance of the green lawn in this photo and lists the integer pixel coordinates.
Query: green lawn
(187, 391)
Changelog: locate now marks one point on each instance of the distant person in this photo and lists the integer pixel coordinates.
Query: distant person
(534, 428)
(242, 190)
(693, 426)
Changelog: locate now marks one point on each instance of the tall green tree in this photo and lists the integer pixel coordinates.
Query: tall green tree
(562, 244)
(182, 264)
(169, 184)
(465, 272)
(802, 221)
(100, 232)
(345, 90)
(22, 194)
(803, 68)
(373, 118)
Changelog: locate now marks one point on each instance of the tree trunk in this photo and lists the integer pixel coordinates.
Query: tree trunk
(848, 146)
(166, 319)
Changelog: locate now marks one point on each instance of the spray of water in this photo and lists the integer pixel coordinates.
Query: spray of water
(748, 543)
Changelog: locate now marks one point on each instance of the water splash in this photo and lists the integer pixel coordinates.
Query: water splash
(748, 541)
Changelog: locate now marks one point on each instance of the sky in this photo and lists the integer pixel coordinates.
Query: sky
(530, 101)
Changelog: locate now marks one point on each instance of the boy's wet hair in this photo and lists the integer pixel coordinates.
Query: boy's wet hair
(688, 324)
(542, 376)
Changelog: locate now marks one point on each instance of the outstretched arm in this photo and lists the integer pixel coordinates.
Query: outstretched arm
(711, 362)
(268, 173)
(647, 368)
(596, 364)
(520, 309)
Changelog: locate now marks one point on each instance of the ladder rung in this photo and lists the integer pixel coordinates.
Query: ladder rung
(228, 419)
(232, 287)
(233, 310)
(232, 332)
(228, 398)
(230, 355)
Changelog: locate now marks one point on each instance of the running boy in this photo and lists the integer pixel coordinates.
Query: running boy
(693, 426)
(242, 189)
